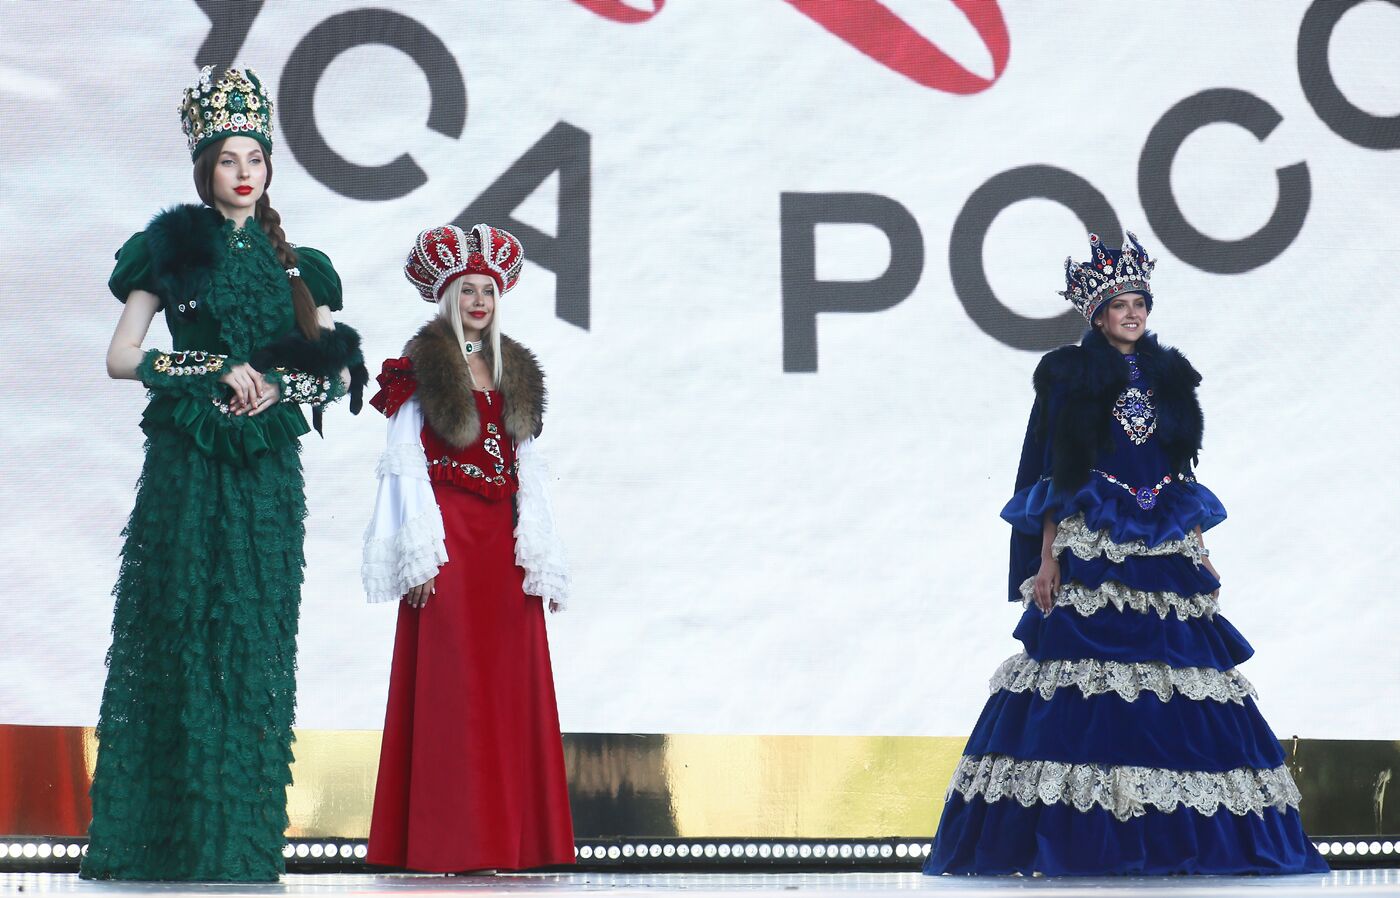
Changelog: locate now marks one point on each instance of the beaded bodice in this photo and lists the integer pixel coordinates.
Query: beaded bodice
(1137, 463)
(488, 466)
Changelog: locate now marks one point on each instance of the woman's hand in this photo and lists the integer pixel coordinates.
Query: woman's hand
(248, 386)
(1047, 583)
(271, 395)
(417, 597)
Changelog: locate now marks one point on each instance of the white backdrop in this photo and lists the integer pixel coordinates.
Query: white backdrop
(756, 551)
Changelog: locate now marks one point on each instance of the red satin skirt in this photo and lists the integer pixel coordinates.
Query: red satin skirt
(471, 772)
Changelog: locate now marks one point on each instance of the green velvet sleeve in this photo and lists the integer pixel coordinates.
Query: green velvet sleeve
(133, 270)
(320, 277)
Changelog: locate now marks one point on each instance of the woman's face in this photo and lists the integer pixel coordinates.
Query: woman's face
(477, 304)
(1124, 319)
(240, 176)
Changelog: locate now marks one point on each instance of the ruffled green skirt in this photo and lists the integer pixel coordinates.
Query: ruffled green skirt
(196, 726)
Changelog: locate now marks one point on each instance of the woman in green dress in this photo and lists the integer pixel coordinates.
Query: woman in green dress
(195, 731)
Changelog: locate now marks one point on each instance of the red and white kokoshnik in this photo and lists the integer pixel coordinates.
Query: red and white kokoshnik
(441, 255)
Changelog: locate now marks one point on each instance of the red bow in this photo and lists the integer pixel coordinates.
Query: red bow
(396, 385)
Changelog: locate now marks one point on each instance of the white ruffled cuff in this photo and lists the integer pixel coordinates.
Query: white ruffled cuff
(393, 565)
(538, 548)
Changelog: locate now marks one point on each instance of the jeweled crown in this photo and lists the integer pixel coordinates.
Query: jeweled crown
(443, 254)
(234, 104)
(1108, 273)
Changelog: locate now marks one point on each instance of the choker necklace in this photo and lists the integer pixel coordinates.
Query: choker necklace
(474, 347)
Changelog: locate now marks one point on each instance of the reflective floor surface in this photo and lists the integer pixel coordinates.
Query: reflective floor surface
(698, 885)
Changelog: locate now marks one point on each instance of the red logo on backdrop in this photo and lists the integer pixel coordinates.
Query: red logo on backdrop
(889, 40)
(873, 29)
(618, 11)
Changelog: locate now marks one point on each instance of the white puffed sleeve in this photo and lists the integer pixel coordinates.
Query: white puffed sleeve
(538, 548)
(404, 543)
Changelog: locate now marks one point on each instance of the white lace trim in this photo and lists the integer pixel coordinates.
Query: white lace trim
(393, 565)
(538, 548)
(1073, 534)
(1021, 673)
(1125, 792)
(1088, 601)
(405, 460)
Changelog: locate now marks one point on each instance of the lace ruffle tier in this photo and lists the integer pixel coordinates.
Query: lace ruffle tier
(1021, 673)
(1125, 792)
(1075, 535)
(1086, 601)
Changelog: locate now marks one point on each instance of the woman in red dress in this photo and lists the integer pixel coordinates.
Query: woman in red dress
(471, 771)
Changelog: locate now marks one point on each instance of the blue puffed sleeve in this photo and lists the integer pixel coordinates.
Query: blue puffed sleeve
(1031, 474)
(320, 277)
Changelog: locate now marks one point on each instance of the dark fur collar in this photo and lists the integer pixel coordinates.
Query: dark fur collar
(185, 246)
(444, 386)
(1075, 388)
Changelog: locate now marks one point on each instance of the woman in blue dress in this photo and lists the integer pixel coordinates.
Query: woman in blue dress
(1122, 740)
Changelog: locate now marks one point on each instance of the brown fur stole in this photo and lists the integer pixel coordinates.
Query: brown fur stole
(444, 386)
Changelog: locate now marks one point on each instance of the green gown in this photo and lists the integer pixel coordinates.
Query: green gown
(195, 731)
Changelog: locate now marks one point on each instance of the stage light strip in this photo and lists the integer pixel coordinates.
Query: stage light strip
(309, 854)
(683, 851)
(1358, 848)
(39, 852)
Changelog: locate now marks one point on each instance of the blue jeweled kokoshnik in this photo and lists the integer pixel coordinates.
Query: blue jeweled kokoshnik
(1108, 273)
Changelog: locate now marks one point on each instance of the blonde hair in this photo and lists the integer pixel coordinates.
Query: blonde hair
(450, 307)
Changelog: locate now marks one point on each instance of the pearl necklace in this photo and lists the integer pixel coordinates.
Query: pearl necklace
(471, 347)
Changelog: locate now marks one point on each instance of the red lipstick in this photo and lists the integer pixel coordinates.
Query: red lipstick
(242, 190)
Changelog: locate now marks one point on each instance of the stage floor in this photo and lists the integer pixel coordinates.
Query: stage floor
(699, 885)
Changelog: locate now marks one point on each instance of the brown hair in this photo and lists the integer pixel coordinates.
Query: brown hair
(302, 302)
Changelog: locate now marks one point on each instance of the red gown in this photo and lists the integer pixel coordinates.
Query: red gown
(471, 771)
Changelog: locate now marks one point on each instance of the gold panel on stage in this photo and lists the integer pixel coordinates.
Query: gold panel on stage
(689, 786)
(332, 787)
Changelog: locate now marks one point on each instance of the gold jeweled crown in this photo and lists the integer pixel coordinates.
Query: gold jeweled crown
(234, 104)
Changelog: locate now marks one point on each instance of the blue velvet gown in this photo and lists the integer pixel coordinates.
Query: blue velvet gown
(1123, 740)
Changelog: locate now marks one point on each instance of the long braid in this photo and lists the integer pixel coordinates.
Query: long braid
(302, 302)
